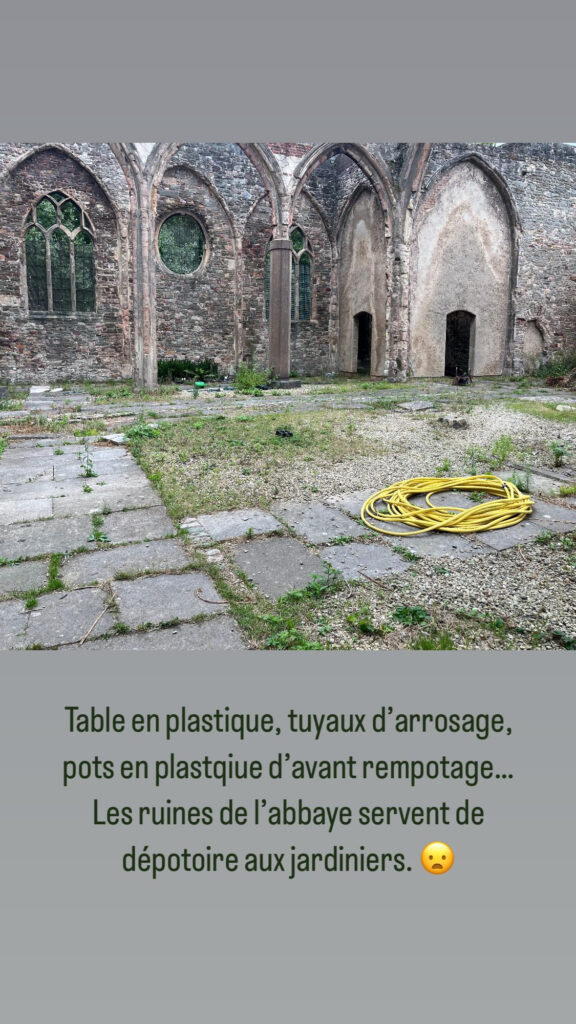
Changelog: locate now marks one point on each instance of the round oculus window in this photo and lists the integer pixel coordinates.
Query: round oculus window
(181, 244)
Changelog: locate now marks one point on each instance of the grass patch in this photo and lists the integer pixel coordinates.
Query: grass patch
(437, 640)
(210, 463)
(567, 491)
(543, 410)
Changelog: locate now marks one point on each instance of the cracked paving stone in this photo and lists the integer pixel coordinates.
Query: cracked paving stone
(229, 525)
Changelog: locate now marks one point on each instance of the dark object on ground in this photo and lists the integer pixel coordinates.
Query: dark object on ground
(462, 378)
(3, 392)
(284, 433)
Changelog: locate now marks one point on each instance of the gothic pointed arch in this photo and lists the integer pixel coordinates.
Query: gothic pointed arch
(463, 257)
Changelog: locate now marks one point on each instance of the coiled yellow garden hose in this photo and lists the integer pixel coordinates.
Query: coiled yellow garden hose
(510, 506)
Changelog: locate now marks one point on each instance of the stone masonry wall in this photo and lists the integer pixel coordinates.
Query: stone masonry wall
(312, 343)
(49, 347)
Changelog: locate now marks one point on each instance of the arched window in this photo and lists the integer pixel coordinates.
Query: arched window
(301, 278)
(59, 243)
(301, 292)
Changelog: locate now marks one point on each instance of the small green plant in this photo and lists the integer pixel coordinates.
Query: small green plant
(501, 450)
(30, 600)
(441, 570)
(544, 537)
(87, 489)
(58, 451)
(140, 430)
(121, 628)
(342, 539)
(248, 380)
(435, 641)
(320, 585)
(411, 615)
(523, 481)
(559, 453)
(362, 621)
(567, 491)
(86, 462)
(409, 556)
(445, 468)
(97, 536)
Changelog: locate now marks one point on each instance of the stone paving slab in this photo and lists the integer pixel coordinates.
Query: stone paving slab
(37, 489)
(229, 525)
(510, 536)
(140, 524)
(317, 523)
(440, 545)
(99, 566)
(24, 576)
(277, 564)
(45, 537)
(556, 518)
(375, 560)
(351, 502)
(217, 634)
(162, 598)
(139, 494)
(14, 510)
(65, 617)
(13, 622)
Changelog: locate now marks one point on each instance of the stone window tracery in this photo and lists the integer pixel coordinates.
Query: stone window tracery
(59, 246)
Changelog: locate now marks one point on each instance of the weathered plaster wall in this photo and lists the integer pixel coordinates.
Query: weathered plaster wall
(362, 247)
(461, 259)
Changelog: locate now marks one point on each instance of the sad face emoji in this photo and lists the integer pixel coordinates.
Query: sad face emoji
(437, 858)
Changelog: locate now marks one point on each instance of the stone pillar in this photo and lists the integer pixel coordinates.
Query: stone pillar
(279, 323)
(145, 375)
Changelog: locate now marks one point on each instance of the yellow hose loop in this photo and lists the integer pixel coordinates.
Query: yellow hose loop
(394, 506)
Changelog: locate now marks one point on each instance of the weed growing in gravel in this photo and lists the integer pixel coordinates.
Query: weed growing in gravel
(559, 453)
(411, 615)
(3, 445)
(567, 491)
(435, 641)
(342, 539)
(362, 621)
(544, 537)
(445, 468)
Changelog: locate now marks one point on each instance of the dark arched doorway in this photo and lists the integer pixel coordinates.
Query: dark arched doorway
(363, 333)
(460, 326)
